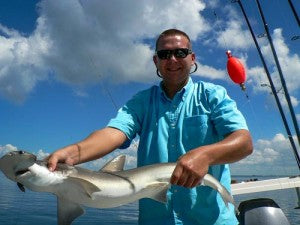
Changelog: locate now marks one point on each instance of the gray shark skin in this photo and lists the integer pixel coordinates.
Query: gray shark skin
(110, 187)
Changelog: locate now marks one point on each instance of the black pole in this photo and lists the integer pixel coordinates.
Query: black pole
(294, 12)
(272, 86)
(286, 93)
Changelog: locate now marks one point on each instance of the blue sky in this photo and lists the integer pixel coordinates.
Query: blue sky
(60, 61)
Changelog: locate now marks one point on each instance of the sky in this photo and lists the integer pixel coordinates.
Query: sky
(67, 66)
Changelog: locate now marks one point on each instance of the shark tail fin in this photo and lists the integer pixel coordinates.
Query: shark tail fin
(228, 198)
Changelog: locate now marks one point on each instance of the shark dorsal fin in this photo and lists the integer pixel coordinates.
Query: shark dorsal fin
(114, 165)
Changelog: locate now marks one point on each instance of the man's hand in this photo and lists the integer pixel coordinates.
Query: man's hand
(193, 166)
(69, 155)
(96, 145)
(190, 169)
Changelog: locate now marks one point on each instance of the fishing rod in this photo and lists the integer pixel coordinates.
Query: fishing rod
(294, 12)
(273, 89)
(286, 93)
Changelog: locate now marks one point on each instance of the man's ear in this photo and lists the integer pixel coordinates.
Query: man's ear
(193, 58)
(155, 59)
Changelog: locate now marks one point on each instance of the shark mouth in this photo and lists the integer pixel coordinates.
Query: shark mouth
(21, 172)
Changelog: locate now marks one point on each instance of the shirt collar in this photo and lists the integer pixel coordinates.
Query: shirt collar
(183, 92)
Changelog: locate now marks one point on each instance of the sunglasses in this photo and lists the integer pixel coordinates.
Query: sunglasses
(178, 53)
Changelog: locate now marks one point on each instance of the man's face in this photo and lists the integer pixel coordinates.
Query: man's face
(175, 70)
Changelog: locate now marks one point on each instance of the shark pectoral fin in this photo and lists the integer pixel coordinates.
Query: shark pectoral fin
(114, 165)
(87, 187)
(158, 191)
(67, 211)
(21, 187)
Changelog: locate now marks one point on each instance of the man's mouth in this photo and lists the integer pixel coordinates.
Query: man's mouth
(173, 69)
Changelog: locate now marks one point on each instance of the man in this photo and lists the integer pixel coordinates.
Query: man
(195, 124)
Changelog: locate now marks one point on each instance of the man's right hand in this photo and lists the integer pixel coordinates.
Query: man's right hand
(69, 155)
(96, 145)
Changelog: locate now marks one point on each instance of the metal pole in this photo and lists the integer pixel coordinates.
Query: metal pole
(294, 12)
(272, 86)
(286, 93)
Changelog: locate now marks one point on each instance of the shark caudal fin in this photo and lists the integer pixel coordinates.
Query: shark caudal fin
(114, 165)
(157, 191)
(226, 196)
(67, 211)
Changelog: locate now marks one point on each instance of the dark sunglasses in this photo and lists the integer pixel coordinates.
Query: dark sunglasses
(178, 53)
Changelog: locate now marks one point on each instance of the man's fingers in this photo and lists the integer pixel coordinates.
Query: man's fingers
(52, 162)
(176, 175)
(196, 182)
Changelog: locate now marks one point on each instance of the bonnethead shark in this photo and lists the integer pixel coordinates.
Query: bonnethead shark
(109, 187)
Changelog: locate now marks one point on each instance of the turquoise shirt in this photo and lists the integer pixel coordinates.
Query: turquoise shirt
(200, 114)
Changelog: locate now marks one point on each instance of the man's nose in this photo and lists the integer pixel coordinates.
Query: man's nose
(173, 58)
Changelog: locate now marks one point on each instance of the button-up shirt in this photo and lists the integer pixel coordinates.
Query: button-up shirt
(200, 114)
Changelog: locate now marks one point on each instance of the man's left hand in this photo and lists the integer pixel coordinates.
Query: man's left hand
(190, 169)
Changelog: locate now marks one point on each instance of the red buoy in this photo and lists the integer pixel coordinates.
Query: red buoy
(236, 70)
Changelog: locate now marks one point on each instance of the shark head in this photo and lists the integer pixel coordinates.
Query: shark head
(16, 163)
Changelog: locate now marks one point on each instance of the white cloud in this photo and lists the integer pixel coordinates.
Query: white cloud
(83, 41)
(80, 42)
(273, 156)
(234, 36)
(209, 72)
(228, 29)
(21, 65)
(7, 148)
(41, 154)
(130, 153)
(290, 65)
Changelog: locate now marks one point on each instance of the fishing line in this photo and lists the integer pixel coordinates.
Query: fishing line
(220, 29)
(19, 209)
(103, 86)
(249, 103)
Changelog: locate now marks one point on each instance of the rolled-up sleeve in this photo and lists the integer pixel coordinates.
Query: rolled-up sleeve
(225, 115)
(129, 118)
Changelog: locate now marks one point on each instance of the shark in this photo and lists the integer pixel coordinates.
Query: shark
(111, 186)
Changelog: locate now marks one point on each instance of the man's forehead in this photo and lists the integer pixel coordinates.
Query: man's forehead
(173, 39)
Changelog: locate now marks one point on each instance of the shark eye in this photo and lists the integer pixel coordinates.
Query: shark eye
(21, 152)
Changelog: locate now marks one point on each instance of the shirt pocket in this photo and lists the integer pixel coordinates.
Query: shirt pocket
(194, 131)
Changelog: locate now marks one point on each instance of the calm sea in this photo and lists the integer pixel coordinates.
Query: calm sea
(31, 208)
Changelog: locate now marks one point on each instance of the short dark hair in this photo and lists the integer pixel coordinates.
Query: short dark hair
(171, 32)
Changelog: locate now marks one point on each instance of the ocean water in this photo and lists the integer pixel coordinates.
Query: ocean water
(32, 208)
